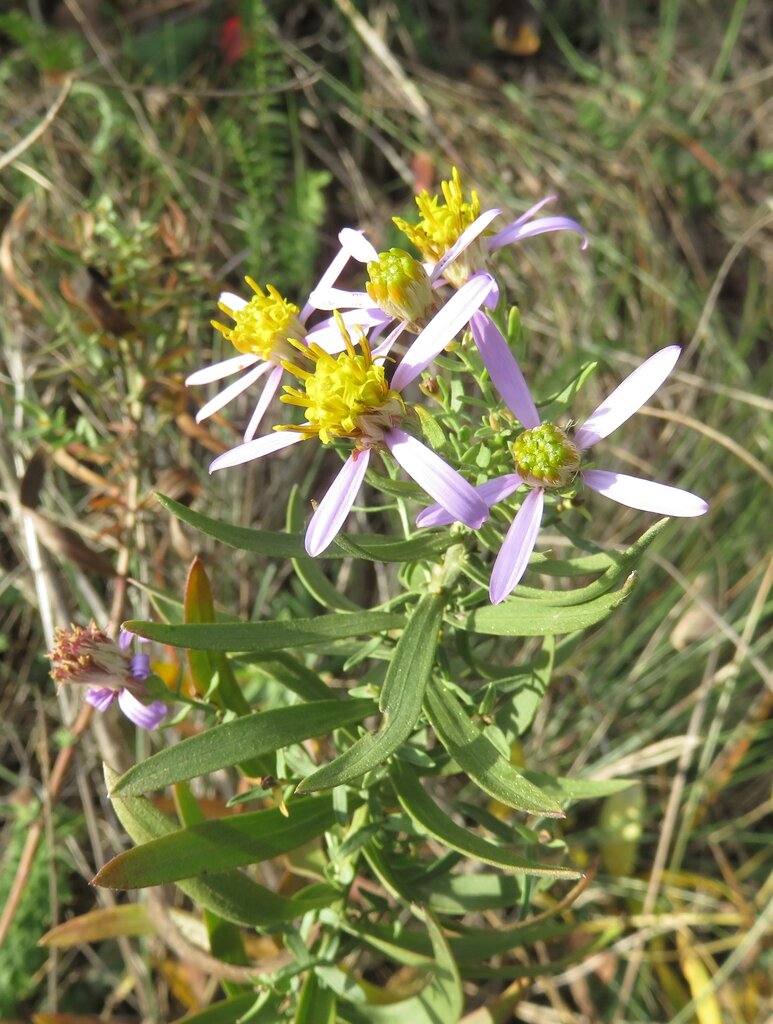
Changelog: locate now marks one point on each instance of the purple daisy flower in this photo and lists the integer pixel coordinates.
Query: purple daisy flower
(89, 657)
(546, 458)
(348, 396)
(263, 327)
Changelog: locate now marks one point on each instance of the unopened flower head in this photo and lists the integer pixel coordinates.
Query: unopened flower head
(443, 219)
(264, 326)
(345, 395)
(401, 286)
(87, 656)
(545, 456)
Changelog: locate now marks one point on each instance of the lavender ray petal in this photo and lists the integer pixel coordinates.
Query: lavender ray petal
(266, 445)
(339, 298)
(139, 666)
(269, 390)
(504, 370)
(357, 245)
(497, 243)
(236, 388)
(464, 241)
(541, 227)
(443, 327)
(628, 397)
(222, 369)
(100, 697)
(352, 243)
(146, 716)
(331, 512)
(517, 547)
(645, 495)
(125, 639)
(437, 478)
(232, 301)
(491, 492)
(381, 351)
(328, 336)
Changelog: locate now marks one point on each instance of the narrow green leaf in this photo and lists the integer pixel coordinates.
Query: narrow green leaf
(293, 674)
(317, 1003)
(479, 758)
(373, 548)
(308, 570)
(467, 894)
(440, 1001)
(400, 701)
(576, 789)
(216, 846)
(231, 895)
(519, 617)
(228, 744)
(231, 1011)
(429, 817)
(225, 938)
(271, 635)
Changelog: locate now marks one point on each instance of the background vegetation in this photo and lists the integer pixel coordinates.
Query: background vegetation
(151, 154)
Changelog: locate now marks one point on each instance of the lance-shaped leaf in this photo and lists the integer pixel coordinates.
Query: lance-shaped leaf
(216, 846)
(519, 617)
(271, 635)
(373, 548)
(229, 744)
(241, 1007)
(431, 819)
(131, 919)
(400, 700)
(441, 999)
(479, 758)
(231, 895)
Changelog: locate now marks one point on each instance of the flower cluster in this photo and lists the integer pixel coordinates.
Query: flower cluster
(89, 657)
(349, 393)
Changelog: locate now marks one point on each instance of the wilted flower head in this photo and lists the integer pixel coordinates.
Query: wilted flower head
(89, 657)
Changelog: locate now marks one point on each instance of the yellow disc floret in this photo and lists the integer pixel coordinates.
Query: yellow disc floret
(545, 456)
(443, 219)
(265, 326)
(344, 395)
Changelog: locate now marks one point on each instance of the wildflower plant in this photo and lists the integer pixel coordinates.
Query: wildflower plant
(388, 705)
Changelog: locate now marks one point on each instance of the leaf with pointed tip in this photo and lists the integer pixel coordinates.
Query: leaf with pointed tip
(131, 919)
(430, 818)
(270, 635)
(230, 1011)
(441, 999)
(400, 702)
(226, 745)
(520, 617)
(231, 895)
(478, 757)
(373, 548)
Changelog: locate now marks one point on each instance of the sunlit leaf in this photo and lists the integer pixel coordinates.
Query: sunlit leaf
(218, 845)
(479, 758)
(269, 635)
(431, 819)
(400, 701)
